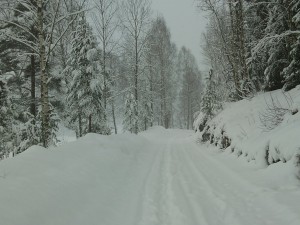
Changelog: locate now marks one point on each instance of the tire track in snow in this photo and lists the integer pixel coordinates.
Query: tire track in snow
(199, 201)
(241, 195)
(147, 211)
(171, 214)
(158, 206)
(213, 204)
(186, 186)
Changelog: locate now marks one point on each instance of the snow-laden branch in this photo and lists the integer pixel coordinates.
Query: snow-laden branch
(21, 27)
(52, 47)
(271, 38)
(29, 44)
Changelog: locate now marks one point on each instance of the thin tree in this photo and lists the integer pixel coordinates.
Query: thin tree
(135, 20)
(106, 23)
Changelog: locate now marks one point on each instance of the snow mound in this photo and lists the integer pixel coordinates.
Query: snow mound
(73, 183)
(265, 128)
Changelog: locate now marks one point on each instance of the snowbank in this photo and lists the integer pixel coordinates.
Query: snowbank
(265, 129)
(75, 183)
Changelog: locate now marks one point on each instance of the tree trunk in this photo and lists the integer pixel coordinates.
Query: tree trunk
(188, 113)
(80, 124)
(44, 77)
(151, 91)
(32, 89)
(113, 115)
(90, 123)
(136, 85)
(104, 68)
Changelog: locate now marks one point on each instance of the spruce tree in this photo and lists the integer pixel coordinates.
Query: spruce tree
(210, 103)
(292, 72)
(84, 95)
(130, 119)
(5, 121)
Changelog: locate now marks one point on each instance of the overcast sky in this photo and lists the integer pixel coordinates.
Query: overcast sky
(185, 22)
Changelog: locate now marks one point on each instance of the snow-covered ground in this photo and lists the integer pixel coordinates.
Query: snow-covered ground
(65, 135)
(264, 129)
(160, 177)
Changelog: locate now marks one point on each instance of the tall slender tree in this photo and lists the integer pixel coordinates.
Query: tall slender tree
(135, 22)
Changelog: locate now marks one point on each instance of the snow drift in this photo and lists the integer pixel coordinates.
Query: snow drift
(73, 183)
(265, 129)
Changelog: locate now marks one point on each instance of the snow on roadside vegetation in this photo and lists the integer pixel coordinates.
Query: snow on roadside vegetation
(265, 129)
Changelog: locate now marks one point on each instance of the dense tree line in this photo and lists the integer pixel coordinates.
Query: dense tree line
(252, 46)
(89, 65)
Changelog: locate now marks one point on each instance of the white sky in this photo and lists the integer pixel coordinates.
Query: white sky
(185, 22)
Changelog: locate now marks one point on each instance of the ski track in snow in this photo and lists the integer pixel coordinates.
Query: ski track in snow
(163, 179)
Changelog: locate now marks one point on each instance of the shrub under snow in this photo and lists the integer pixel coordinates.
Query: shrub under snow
(265, 128)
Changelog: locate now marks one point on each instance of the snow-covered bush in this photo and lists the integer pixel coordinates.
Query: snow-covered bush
(275, 110)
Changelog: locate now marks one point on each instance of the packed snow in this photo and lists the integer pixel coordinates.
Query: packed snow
(159, 177)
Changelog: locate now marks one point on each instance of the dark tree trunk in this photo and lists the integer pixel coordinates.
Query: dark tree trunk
(114, 116)
(32, 89)
(80, 124)
(90, 123)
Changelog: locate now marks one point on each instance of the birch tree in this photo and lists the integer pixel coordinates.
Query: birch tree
(135, 22)
(191, 87)
(42, 45)
(106, 22)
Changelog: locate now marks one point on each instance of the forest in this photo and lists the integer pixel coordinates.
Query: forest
(252, 47)
(90, 65)
(108, 66)
(107, 118)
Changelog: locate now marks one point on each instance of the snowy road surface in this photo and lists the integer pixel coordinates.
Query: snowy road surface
(161, 177)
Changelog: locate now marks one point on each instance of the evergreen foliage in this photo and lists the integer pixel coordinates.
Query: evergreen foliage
(5, 121)
(56, 71)
(84, 94)
(210, 104)
(130, 118)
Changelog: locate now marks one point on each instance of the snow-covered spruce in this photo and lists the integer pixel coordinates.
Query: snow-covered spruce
(84, 94)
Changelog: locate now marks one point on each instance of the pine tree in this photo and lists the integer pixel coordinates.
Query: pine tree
(5, 121)
(85, 91)
(146, 116)
(210, 103)
(256, 22)
(292, 72)
(130, 119)
(278, 49)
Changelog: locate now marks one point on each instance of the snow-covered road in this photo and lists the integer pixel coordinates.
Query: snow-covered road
(161, 177)
(187, 186)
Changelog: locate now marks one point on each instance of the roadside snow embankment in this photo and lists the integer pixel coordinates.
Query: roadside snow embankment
(75, 183)
(265, 129)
